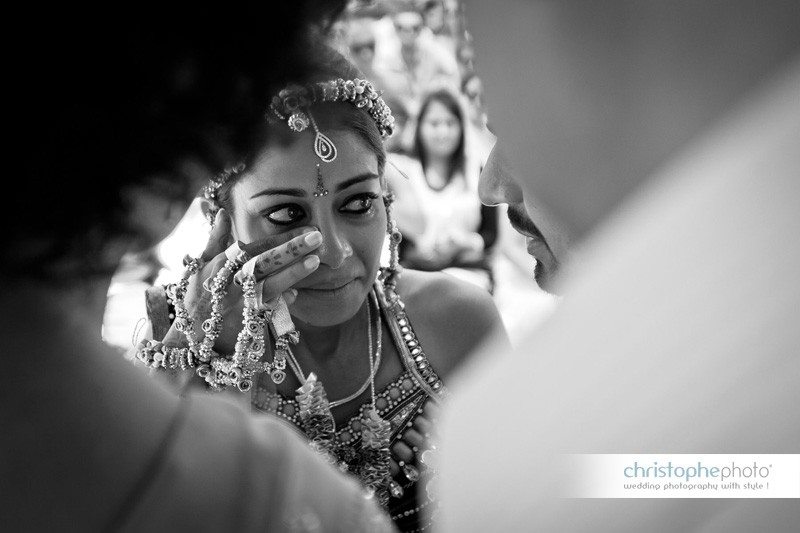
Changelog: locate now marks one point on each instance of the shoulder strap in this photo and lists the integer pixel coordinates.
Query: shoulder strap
(411, 352)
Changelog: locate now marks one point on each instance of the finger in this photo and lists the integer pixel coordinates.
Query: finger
(290, 252)
(267, 243)
(431, 411)
(290, 296)
(209, 273)
(219, 236)
(402, 451)
(424, 426)
(281, 281)
(394, 468)
(413, 438)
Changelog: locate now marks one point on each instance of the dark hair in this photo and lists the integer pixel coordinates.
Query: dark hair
(326, 64)
(101, 107)
(458, 158)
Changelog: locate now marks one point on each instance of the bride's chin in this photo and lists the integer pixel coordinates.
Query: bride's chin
(325, 312)
(320, 319)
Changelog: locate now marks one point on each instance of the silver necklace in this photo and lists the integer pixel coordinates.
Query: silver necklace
(374, 360)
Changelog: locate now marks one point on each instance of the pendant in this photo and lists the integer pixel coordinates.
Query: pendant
(324, 147)
(411, 473)
(320, 189)
(395, 489)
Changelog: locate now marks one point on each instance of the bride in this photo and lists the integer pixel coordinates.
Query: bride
(375, 346)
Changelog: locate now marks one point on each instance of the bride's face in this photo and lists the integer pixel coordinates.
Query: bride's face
(277, 194)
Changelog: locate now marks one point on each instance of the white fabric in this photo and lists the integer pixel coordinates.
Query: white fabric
(281, 319)
(681, 336)
(233, 251)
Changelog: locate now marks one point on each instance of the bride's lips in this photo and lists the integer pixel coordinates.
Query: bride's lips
(330, 289)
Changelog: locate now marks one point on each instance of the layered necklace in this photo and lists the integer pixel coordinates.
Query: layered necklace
(316, 419)
(373, 357)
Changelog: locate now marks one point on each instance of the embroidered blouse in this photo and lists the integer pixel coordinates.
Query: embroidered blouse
(399, 403)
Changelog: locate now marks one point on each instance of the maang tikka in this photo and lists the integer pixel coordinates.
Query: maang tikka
(323, 146)
(293, 103)
(320, 189)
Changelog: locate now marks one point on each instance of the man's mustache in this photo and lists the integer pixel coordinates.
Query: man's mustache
(520, 219)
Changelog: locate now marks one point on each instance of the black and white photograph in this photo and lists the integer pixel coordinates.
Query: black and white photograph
(402, 266)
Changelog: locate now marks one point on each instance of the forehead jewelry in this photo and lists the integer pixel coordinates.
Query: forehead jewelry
(320, 189)
(323, 146)
(293, 104)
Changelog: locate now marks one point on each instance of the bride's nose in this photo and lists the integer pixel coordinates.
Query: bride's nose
(335, 247)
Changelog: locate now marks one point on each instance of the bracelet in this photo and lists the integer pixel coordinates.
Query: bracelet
(219, 288)
(183, 320)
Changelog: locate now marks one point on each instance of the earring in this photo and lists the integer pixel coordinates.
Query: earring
(395, 238)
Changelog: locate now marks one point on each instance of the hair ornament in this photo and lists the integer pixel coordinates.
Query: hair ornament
(211, 189)
(292, 103)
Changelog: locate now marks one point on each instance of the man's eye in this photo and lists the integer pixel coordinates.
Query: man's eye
(285, 215)
(359, 204)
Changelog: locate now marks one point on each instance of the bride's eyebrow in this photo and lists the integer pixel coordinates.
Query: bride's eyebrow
(301, 193)
(356, 179)
(282, 192)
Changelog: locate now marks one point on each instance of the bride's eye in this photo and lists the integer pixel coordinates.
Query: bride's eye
(359, 205)
(284, 215)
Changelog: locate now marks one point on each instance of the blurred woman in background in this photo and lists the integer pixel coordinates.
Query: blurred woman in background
(446, 227)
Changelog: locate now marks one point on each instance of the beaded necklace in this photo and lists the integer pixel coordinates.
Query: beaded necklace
(374, 359)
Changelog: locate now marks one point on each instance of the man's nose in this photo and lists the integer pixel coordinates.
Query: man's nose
(496, 184)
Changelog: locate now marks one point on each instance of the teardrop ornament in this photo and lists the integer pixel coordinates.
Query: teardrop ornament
(395, 489)
(411, 473)
(324, 147)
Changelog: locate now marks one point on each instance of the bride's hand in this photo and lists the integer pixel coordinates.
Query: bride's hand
(414, 442)
(283, 260)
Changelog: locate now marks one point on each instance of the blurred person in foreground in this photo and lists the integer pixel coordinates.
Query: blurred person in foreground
(677, 333)
(89, 442)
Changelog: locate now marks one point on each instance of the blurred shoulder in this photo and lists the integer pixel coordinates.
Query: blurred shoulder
(451, 317)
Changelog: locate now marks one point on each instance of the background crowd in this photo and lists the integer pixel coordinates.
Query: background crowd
(420, 54)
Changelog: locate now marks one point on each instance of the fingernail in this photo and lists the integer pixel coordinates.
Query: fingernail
(294, 292)
(313, 238)
(311, 262)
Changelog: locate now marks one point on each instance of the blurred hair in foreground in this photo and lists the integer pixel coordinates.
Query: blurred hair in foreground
(100, 106)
